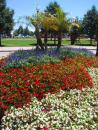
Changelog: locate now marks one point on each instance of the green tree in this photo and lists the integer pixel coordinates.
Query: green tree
(20, 30)
(74, 32)
(16, 32)
(49, 24)
(89, 23)
(6, 19)
(31, 33)
(9, 23)
(36, 21)
(51, 8)
(26, 31)
(2, 20)
(62, 24)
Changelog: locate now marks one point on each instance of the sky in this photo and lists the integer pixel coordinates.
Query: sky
(74, 8)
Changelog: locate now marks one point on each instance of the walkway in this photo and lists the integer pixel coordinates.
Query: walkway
(5, 51)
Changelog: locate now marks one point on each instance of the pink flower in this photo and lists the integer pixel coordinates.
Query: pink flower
(52, 129)
(44, 110)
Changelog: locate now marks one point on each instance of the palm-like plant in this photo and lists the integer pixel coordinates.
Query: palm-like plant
(74, 31)
(62, 24)
(36, 21)
(49, 24)
(56, 23)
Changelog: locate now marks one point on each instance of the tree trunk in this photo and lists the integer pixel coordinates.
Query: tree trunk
(51, 36)
(39, 40)
(59, 40)
(45, 40)
(0, 39)
(54, 39)
(97, 49)
(72, 38)
(91, 41)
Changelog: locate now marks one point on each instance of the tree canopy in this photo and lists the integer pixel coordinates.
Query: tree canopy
(6, 19)
(51, 8)
(89, 22)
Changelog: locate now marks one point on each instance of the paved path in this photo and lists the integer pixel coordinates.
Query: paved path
(5, 51)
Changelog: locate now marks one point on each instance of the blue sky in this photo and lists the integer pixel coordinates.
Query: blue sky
(72, 7)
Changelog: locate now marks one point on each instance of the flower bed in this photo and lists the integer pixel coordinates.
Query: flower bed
(66, 110)
(44, 87)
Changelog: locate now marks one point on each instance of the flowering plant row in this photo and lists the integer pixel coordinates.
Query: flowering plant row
(18, 85)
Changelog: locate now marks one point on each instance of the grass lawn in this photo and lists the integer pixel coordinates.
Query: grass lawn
(32, 41)
(18, 42)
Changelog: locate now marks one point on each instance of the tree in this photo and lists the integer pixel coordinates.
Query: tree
(74, 32)
(96, 32)
(49, 24)
(89, 23)
(62, 24)
(23, 31)
(6, 19)
(8, 13)
(16, 32)
(51, 8)
(20, 30)
(2, 20)
(26, 31)
(36, 21)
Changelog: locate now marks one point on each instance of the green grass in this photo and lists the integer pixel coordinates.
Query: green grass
(15, 42)
(18, 42)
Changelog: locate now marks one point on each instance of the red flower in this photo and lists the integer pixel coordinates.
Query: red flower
(36, 94)
(7, 83)
(37, 82)
(10, 100)
(1, 80)
(4, 107)
(1, 73)
(44, 75)
(45, 128)
(0, 103)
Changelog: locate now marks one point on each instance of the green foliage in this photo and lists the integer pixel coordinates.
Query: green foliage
(20, 30)
(6, 18)
(51, 8)
(2, 8)
(32, 60)
(48, 59)
(62, 21)
(23, 31)
(89, 22)
(23, 58)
